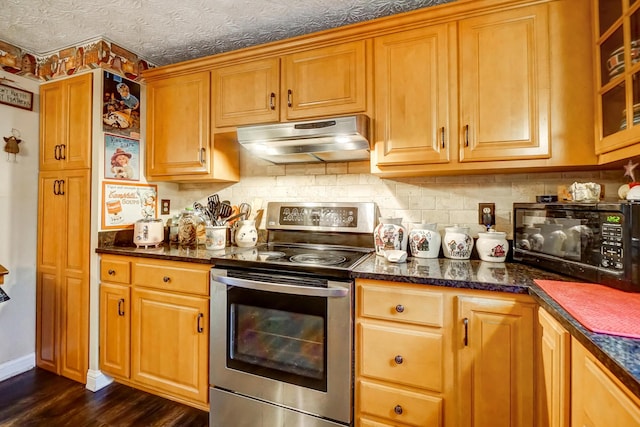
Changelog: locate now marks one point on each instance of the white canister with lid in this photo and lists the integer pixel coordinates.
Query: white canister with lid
(390, 234)
(457, 243)
(492, 246)
(424, 240)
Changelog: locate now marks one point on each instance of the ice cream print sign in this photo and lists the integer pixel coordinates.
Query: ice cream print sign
(124, 204)
(122, 158)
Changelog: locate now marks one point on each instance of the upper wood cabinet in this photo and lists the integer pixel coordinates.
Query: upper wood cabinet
(415, 96)
(617, 67)
(311, 83)
(487, 92)
(65, 123)
(180, 146)
(504, 85)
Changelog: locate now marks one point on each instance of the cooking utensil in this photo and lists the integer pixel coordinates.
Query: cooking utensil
(225, 210)
(245, 209)
(202, 211)
(212, 202)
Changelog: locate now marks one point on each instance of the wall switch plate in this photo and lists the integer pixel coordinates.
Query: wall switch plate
(487, 214)
(165, 206)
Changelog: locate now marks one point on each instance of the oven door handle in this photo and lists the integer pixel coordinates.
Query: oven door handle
(330, 292)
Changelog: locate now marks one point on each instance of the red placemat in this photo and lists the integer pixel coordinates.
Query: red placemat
(599, 308)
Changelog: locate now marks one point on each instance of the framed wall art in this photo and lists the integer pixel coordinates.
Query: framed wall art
(121, 106)
(121, 158)
(124, 204)
(16, 97)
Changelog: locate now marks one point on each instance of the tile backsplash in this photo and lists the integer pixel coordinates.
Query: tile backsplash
(445, 200)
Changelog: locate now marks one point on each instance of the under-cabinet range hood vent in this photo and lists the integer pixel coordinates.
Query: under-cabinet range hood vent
(341, 139)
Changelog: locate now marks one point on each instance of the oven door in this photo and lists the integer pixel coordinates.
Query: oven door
(282, 340)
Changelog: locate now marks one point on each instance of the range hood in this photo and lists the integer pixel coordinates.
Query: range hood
(340, 139)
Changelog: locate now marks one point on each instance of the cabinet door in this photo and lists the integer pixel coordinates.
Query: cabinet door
(554, 373)
(65, 123)
(115, 329)
(247, 93)
(412, 96)
(178, 131)
(504, 85)
(325, 81)
(62, 317)
(169, 343)
(495, 370)
(598, 399)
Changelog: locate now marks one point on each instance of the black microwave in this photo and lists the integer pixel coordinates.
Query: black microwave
(596, 242)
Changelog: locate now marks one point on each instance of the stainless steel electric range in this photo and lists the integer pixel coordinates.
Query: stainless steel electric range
(282, 322)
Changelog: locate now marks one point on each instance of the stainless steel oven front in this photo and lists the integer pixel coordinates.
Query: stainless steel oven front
(281, 350)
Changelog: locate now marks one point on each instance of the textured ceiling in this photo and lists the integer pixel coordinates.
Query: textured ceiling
(169, 31)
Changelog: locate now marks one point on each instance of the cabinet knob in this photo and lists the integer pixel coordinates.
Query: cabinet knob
(399, 308)
(166, 279)
(111, 272)
(398, 409)
(398, 359)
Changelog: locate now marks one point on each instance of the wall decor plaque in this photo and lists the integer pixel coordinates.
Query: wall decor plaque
(16, 97)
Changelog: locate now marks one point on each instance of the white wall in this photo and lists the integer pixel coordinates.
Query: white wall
(18, 234)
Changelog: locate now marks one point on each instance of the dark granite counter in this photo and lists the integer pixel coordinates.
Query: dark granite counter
(620, 355)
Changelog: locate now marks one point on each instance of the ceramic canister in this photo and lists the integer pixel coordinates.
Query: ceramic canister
(424, 241)
(390, 234)
(492, 246)
(457, 243)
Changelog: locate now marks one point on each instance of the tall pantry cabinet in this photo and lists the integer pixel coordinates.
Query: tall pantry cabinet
(64, 206)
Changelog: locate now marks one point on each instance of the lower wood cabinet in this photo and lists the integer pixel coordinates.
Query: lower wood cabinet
(154, 326)
(598, 399)
(433, 356)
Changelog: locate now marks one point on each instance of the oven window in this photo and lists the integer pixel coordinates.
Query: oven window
(278, 336)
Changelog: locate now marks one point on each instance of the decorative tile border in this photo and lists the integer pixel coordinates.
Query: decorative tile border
(95, 54)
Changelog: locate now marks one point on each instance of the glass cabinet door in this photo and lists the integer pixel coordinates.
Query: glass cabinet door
(618, 73)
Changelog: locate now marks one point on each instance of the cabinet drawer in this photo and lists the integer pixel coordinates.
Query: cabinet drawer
(172, 276)
(115, 270)
(398, 405)
(417, 306)
(401, 355)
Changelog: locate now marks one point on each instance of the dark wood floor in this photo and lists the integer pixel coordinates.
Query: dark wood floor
(40, 398)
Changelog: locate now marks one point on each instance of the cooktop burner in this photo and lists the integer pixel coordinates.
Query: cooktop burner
(269, 255)
(318, 259)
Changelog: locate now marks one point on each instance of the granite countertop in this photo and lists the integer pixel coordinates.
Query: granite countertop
(619, 354)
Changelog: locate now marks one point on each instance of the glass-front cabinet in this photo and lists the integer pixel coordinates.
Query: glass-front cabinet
(617, 37)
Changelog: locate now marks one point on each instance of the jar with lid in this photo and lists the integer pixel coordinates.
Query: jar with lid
(189, 226)
(457, 243)
(246, 234)
(424, 241)
(492, 246)
(390, 234)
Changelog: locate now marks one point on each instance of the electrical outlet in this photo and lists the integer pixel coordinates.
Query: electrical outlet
(165, 206)
(487, 214)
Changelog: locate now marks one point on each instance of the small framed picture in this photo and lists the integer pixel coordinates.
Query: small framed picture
(124, 204)
(121, 158)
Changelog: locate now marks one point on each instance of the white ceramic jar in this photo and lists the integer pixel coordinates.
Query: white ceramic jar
(246, 234)
(457, 242)
(424, 241)
(390, 234)
(492, 246)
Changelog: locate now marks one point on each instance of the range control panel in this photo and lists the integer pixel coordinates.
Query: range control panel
(319, 216)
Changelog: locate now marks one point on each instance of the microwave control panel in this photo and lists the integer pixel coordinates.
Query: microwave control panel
(611, 246)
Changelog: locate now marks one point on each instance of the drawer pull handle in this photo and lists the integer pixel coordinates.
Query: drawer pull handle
(466, 331)
(166, 279)
(200, 328)
(120, 310)
(272, 101)
(398, 359)
(111, 272)
(289, 98)
(398, 409)
(400, 308)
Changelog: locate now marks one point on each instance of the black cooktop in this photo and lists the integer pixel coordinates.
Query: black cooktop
(287, 257)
